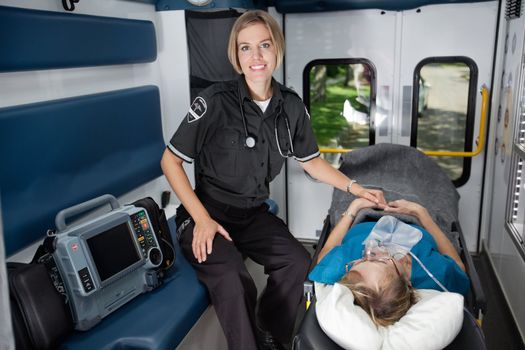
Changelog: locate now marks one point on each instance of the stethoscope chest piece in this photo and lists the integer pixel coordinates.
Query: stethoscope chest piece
(250, 142)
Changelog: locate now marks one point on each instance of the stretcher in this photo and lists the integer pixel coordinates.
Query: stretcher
(371, 167)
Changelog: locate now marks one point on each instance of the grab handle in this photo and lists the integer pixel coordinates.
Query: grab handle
(60, 219)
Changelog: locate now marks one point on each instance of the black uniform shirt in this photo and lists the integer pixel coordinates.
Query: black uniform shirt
(213, 135)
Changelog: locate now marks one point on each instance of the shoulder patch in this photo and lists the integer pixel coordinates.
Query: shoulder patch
(197, 109)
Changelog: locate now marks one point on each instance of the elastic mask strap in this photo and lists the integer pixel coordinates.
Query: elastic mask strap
(428, 272)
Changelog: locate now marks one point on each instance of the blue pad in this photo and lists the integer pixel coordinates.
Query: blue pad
(33, 39)
(67, 151)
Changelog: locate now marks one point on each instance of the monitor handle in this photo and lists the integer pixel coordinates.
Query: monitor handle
(60, 219)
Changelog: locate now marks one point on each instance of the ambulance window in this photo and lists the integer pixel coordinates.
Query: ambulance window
(339, 95)
(443, 111)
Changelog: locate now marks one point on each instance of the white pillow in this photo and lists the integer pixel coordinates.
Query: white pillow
(432, 323)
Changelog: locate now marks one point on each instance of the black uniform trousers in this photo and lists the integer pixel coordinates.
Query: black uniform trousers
(264, 238)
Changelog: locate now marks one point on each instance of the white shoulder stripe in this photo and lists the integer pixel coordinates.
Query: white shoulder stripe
(305, 159)
(179, 154)
(306, 111)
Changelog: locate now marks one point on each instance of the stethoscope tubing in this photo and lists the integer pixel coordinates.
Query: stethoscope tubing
(286, 122)
(250, 140)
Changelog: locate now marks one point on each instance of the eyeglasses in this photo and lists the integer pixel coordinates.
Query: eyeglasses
(383, 260)
(377, 253)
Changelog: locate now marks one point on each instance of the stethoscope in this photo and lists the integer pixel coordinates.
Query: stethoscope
(250, 139)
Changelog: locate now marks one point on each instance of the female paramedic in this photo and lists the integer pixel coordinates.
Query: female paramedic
(382, 262)
(239, 133)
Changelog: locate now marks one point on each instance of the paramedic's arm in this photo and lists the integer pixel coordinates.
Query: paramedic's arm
(320, 170)
(443, 244)
(205, 227)
(336, 236)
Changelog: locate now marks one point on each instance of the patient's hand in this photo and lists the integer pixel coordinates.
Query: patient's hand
(375, 196)
(402, 206)
(360, 203)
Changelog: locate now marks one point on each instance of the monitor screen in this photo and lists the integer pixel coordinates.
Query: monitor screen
(113, 251)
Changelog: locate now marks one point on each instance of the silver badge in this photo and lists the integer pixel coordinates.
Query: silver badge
(197, 109)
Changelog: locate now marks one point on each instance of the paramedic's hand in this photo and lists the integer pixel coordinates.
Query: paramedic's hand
(203, 235)
(360, 203)
(375, 196)
(402, 206)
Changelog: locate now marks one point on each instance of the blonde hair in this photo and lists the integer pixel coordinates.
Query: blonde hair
(386, 304)
(247, 19)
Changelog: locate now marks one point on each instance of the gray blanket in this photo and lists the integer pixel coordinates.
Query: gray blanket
(401, 172)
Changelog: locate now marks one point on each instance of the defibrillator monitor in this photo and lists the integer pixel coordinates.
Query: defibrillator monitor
(105, 261)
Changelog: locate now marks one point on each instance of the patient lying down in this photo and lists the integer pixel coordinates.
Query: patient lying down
(382, 263)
